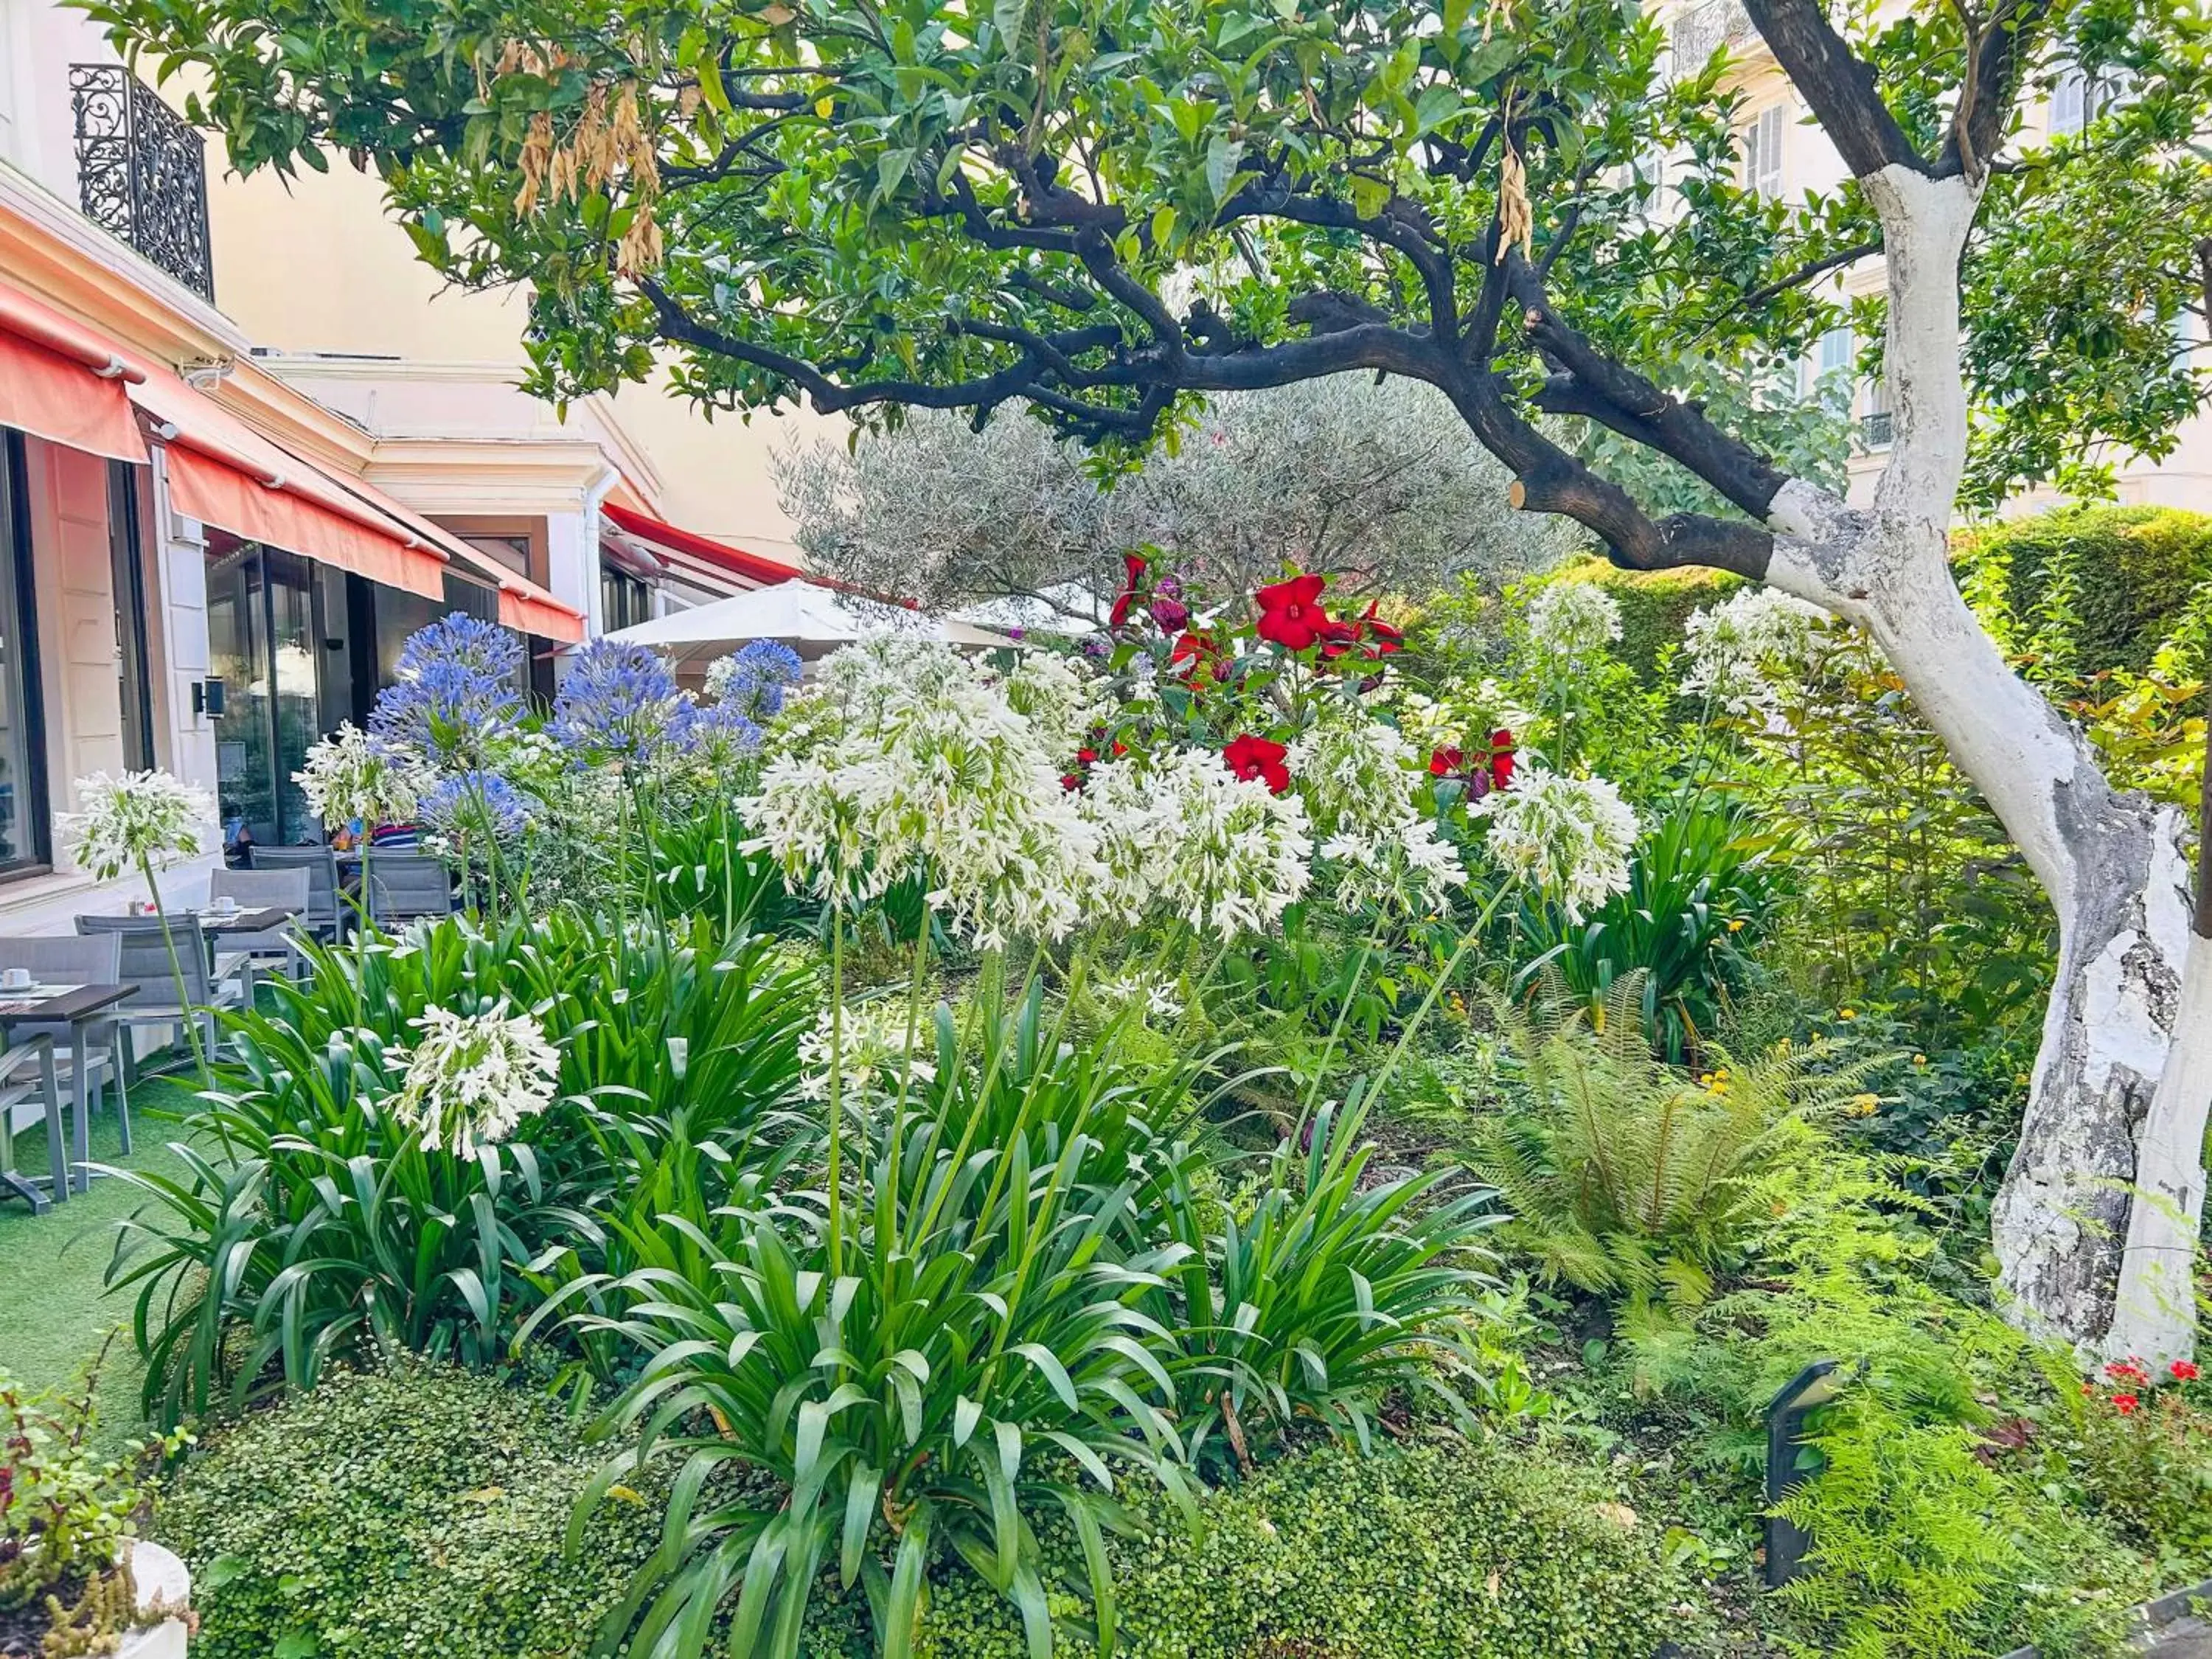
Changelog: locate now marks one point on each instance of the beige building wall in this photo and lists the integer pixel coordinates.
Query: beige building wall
(314, 266)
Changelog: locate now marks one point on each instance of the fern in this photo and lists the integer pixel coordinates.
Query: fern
(1628, 1177)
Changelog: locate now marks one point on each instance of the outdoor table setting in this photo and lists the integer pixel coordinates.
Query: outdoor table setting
(25, 1001)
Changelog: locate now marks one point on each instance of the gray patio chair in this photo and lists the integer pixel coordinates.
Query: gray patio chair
(93, 959)
(14, 1090)
(146, 964)
(405, 887)
(326, 909)
(269, 948)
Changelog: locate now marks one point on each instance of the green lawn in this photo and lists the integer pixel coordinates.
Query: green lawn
(54, 1311)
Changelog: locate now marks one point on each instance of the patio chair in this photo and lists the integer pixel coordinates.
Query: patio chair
(271, 948)
(324, 912)
(13, 1091)
(405, 887)
(93, 959)
(146, 963)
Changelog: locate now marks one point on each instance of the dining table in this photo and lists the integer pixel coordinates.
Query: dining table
(79, 1008)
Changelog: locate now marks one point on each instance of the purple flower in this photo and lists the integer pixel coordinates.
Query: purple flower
(753, 678)
(453, 687)
(474, 805)
(618, 702)
(1096, 644)
(718, 735)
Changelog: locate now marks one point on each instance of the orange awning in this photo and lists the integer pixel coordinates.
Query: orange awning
(62, 382)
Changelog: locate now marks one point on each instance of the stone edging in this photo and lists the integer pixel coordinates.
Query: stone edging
(2167, 1610)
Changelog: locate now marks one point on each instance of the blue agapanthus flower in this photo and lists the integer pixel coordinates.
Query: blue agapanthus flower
(753, 678)
(453, 687)
(476, 805)
(718, 735)
(618, 702)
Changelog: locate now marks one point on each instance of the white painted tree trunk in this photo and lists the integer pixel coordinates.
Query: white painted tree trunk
(2111, 865)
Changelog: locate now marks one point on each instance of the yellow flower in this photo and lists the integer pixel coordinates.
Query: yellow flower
(1735, 924)
(1865, 1105)
(1845, 1013)
(1920, 1060)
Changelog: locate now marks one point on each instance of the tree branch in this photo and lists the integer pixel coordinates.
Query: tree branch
(1836, 83)
(1804, 274)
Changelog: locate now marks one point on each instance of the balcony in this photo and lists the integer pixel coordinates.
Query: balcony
(1699, 30)
(141, 173)
(1877, 430)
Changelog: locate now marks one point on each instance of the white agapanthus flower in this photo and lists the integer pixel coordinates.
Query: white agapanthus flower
(1568, 620)
(351, 775)
(1569, 838)
(871, 1041)
(1357, 777)
(924, 765)
(1184, 834)
(1155, 995)
(1060, 697)
(472, 1079)
(141, 820)
(1737, 648)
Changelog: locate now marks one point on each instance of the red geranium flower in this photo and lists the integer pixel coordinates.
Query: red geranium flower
(2124, 1403)
(2127, 1370)
(1251, 757)
(1443, 763)
(2184, 1371)
(1501, 759)
(1133, 565)
(1070, 782)
(1290, 614)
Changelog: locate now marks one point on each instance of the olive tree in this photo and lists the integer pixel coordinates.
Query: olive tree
(1105, 207)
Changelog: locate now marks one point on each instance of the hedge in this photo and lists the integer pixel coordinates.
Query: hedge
(1654, 604)
(2094, 588)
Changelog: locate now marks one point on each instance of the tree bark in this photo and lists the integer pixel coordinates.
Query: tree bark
(2112, 864)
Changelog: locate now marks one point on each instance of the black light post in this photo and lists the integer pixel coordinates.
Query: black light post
(1787, 1541)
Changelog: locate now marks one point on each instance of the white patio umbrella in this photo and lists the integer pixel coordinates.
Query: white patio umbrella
(810, 619)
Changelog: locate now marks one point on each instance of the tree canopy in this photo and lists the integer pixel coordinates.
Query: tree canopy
(1104, 206)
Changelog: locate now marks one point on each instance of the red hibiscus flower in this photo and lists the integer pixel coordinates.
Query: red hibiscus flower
(1200, 653)
(2124, 1403)
(1133, 565)
(1501, 759)
(1172, 615)
(1383, 637)
(1290, 613)
(1251, 757)
(1444, 762)
(2184, 1371)
(1084, 757)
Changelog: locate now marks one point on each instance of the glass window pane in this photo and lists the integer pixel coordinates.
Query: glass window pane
(23, 746)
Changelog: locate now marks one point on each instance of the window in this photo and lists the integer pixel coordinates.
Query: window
(22, 715)
(2077, 98)
(1762, 154)
(624, 599)
(1878, 428)
(127, 571)
(1835, 369)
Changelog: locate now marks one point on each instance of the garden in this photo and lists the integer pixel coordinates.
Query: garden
(1532, 1010)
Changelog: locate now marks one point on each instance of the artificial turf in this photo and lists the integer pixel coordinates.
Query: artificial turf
(54, 1309)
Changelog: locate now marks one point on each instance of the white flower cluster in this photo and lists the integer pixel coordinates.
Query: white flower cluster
(1359, 777)
(1154, 996)
(1736, 649)
(1185, 834)
(472, 1080)
(1568, 620)
(352, 775)
(1061, 699)
(870, 1041)
(149, 819)
(922, 765)
(1569, 838)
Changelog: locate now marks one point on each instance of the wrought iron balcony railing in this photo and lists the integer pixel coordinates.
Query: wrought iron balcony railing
(141, 173)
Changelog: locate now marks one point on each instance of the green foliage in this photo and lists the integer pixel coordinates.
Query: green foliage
(1623, 1175)
(2085, 589)
(386, 1515)
(2136, 1443)
(1479, 1551)
(323, 1220)
(64, 1509)
(1702, 888)
(1039, 1290)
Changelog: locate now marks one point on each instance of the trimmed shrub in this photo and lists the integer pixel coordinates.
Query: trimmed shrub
(2087, 589)
(406, 1513)
(1654, 604)
(1467, 1550)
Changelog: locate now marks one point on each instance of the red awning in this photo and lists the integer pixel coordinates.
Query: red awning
(754, 566)
(62, 382)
